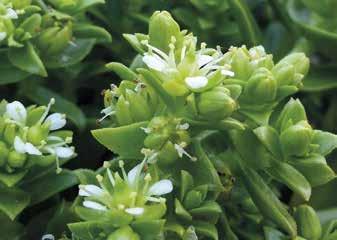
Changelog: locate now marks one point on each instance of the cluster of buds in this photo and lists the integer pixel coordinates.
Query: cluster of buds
(23, 20)
(129, 103)
(29, 136)
(123, 200)
(166, 139)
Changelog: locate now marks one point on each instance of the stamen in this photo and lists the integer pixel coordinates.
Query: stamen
(146, 130)
(181, 151)
(44, 115)
(121, 165)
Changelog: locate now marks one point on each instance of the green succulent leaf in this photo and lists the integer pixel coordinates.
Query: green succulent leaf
(126, 141)
(13, 201)
(27, 59)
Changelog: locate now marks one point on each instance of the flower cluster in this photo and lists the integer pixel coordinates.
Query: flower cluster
(212, 122)
(42, 29)
(30, 136)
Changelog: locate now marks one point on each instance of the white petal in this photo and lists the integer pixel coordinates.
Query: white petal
(154, 62)
(203, 60)
(83, 193)
(135, 211)
(64, 152)
(48, 237)
(160, 188)
(31, 149)
(56, 120)
(196, 82)
(11, 13)
(16, 111)
(92, 190)
(94, 205)
(3, 35)
(19, 145)
(227, 73)
(132, 174)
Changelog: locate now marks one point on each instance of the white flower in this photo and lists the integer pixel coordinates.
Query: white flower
(160, 188)
(94, 205)
(17, 112)
(56, 121)
(196, 82)
(22, 147)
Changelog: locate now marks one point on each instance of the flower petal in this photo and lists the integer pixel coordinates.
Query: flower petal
(48, 237)
(135, 211)
(196, 82)
(154, 62)
(160, 188)
(19, 145)
(56, 121)
(90, 190)
(64, 152)
(16, 111)
(32, 150)
(227, 73)
(3, 35)
(132, 174)
(203, 60)
(94, 205)
(11, 13)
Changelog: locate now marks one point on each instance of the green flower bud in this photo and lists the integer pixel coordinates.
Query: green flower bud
(37, 133)
(64, 4)
(308, 223)
(2, 125)
(296, 139)
(216, 104)
(19, 4)
(261, 86)
(54, 39)
(124, 233)
(155, 140)
(241, 63)
(284, 74)
(300, 63)
(16, 160)
(139, 109)
(3, 153)
(162, 28)
(167, 154)
(10, 133)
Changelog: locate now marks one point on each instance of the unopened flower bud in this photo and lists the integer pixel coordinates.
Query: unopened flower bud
(37, 133)
(308, 222)
(10, 133)
(298, 60)
(162, 28)
(284, 74)
(241, 63)
(216, 103)
(124, 233)
(261, 86)
(155, 140)
(16, 160)
(296, 139)
(3, 153)
(168, 154)
(54, 39)
(20, 4)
